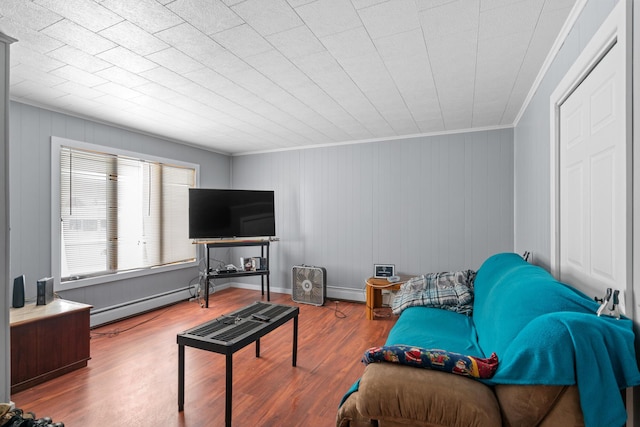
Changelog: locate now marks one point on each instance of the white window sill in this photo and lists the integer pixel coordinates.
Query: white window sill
(99, 280)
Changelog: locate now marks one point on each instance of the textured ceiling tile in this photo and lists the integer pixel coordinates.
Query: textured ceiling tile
(563, 5)
(122, 76)
(406, 58)
(192, 42)
(326, 17)
(256, 83)
(210, 79)
(349, 44)
(296, 42)
(450, 18)
(147, 14)
(372, 77)
(79, 37)
(278, 69)
(269, 17)
(510, 19)
(500, 59)
(165, 77)
(242, 41)
(313, 96)
(360, 4)
(453, 62)
(28, 14)
(115, 102)
(77, 75)
(226, 63)
(22, 54)
(133, 38)
(391, 17)
(493, 4)
(430, 4)
(34, 74)
(208, 16)
(79, 90)
(79, 59)
(296, 3)
(126, 59)
(90, 15)
(117, 90)
(78, 104)
(29, 87)
(175, 60)
(29, 38)
(157, 91)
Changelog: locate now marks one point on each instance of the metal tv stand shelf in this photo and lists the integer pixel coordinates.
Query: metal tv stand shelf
(263, 243)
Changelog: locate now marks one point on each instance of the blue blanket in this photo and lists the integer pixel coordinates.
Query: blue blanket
(546, 332)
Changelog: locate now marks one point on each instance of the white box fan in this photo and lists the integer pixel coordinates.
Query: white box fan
(309, 284)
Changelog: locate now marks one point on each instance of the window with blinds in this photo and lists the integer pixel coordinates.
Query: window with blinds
(120, 213)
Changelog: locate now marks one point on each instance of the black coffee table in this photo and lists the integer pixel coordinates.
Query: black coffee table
(231, 332)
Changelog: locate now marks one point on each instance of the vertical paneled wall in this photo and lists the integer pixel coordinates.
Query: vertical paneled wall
(30, 142)
(532, 141)
(425, 204)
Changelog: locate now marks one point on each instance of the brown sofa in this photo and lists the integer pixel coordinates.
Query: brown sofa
(392, 395)
(559, 364)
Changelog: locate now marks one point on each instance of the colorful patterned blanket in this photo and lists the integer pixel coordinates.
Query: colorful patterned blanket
(439, 360)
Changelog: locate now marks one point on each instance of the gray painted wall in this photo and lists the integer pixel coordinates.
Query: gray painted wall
(31, 129)
(532, 141)
(425, 204)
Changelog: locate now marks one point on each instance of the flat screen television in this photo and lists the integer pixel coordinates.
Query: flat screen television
(218, 213)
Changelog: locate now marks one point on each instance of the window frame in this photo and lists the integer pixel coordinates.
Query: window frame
(56, 144)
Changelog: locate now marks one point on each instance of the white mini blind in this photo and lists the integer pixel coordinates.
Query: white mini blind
(120, 213)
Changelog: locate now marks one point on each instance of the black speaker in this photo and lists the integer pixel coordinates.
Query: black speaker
(18, 292)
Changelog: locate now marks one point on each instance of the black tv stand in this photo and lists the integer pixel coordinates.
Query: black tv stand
(263, 243)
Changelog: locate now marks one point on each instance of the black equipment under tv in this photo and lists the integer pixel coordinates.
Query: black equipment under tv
(218, 213)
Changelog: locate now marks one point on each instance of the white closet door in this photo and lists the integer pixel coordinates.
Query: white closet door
(593, 179)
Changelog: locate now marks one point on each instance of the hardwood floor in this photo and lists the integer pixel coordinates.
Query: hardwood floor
(132, 378)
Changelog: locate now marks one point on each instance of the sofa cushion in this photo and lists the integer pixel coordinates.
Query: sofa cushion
(429, 327)
(422, 397)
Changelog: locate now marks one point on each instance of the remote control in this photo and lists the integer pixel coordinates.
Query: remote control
(261, 317)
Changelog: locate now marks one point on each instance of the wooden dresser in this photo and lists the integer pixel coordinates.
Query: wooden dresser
(47, 341)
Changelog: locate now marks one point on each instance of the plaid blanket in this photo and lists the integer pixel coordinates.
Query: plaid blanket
(450, 291)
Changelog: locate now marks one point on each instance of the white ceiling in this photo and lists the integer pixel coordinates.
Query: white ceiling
(239, 76)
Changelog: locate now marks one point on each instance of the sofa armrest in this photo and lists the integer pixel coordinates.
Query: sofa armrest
(348, 415)
(539, 405)
(415, 396)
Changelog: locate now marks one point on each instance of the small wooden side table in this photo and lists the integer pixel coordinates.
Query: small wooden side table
(374, 291)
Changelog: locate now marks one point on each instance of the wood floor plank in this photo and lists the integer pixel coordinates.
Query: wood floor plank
(132, 377)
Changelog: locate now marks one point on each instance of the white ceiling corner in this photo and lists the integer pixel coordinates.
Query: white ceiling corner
(240, 76)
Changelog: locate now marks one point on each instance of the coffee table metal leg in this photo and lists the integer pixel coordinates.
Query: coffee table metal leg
(258, 347)
(295, 340)
(229, 391)
(180, 378)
